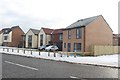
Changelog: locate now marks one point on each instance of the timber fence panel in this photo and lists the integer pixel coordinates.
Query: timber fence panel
(104, 50)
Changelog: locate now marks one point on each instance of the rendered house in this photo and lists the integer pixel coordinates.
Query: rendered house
(12, 37)
(44, 36)
(81, 35)
(31, 38)
(57, 38)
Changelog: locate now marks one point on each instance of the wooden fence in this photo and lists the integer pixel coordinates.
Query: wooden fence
(105, 50)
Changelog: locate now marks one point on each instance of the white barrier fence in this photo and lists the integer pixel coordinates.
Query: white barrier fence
(37, 52)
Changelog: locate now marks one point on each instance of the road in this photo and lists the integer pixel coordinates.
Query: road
(23, 67)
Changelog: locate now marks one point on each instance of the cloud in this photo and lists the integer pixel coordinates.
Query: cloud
(54, 13)
(11, 18)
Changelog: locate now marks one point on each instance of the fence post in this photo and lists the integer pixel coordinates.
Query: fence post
(24, 51)
(60, 54)
(18, 51)
(31, 52)
(3, 49)
(48, 53)
(54, 54)
(75, 55)
(67, 54)
(39, 52)
(12, 50)
(7, 50)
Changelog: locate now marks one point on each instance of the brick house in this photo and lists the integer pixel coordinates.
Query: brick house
(116, 39)
(44, 36)
(81, 35)
(57, 38)
(12, 37)
(31, 38)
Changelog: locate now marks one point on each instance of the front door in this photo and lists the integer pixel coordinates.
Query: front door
(69, 47)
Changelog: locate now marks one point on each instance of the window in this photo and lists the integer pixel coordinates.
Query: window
(29, 37)
(69, 34)
(5, 37)
(78, 33)
(41, 39)
(61, 37)
(64, 45)
(77, 47)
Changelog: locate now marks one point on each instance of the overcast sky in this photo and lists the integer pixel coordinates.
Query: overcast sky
(55, 13)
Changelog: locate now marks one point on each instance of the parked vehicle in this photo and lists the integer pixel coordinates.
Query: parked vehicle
(43, 47)
(51, 48)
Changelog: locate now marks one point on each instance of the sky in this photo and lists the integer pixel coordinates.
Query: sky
(55, 14)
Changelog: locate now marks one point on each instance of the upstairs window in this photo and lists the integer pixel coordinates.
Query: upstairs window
(69, 34)
(60, 37)
(41, 37)
(64, 45)
(5, 37)
(29, 37)
(78, 33)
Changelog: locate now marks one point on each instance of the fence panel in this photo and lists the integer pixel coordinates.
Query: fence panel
(104, 50)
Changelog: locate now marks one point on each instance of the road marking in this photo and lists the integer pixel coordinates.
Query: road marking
(21, 65)
(73, 77)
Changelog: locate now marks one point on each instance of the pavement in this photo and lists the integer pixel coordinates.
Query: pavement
(14, 66)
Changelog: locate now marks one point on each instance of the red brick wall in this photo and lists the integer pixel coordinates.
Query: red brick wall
(55, 39)
(73, 39)
(16, 37)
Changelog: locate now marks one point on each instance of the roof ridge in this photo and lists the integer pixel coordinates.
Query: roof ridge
(89, 17)
(33, 29)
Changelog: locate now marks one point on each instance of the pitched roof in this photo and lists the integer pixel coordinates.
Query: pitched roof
(47, 30)
(7, 30)
(116, 35)
(82, 22)
(35, 31)
(58, 31)
(14, 27)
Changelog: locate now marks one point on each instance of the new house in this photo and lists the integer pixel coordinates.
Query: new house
(11, 37)
(57, 38)
(84, 33)
(31, 38)
(44, 36)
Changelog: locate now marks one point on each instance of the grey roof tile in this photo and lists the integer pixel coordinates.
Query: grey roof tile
(35, 31)
(82, 22)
